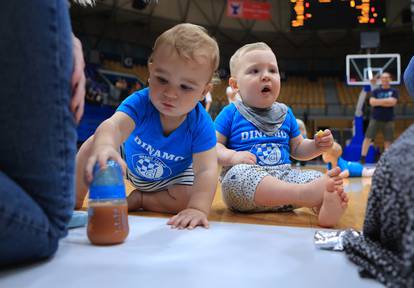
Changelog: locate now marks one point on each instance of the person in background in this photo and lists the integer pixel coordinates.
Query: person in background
(38, 126)
(232, 95)
(122, 85)
(208, 100)
(302, 128)
(304, 133)
(136, 86)
(382, 101)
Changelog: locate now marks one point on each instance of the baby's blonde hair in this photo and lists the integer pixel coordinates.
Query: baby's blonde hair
(190, 41)
(235, 59)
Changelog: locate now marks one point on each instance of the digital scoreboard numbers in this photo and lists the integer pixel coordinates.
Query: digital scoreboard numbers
(337, 14)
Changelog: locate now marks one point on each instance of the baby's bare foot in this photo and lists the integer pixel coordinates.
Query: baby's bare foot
(344, 197)
(313, 194)
(335, 202)
(334, 174)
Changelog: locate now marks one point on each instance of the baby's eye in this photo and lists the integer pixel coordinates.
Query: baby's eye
(186, 88)
(273, 71)
(254, 71)
(161, 80)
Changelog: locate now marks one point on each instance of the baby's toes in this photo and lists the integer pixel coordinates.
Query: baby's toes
(334, 172)
(339, 190)
(344, 197)
(330, 185)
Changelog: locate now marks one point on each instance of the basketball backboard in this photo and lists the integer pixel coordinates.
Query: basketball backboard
(360, 68)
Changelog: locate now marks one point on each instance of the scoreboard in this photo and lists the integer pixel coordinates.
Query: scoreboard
(337, 14)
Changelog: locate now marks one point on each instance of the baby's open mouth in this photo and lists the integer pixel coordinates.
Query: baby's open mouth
(266, 89)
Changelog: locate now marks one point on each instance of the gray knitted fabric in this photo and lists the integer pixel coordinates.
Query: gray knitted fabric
(386, 249)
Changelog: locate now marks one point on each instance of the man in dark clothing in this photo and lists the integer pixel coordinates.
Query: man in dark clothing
(382, 101)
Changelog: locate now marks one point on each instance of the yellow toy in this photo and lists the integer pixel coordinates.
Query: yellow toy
(319, 133)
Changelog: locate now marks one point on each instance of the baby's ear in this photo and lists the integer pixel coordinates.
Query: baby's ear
(233, 83)
(207, 88)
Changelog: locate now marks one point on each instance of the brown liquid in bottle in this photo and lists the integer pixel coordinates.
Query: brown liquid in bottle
(108, 223)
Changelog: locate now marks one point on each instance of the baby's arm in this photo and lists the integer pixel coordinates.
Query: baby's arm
(100, 147)
(228, 157)
(107, 139)
(306, 149)
(202, 193)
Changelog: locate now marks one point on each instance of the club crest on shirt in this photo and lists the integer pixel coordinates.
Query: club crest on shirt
(150, 167)
(267, 153)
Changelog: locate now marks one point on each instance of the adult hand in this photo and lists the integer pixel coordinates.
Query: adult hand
(189, 218)
(78, 81)
(324, 140)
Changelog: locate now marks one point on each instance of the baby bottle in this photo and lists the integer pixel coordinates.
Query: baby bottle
(107, 206)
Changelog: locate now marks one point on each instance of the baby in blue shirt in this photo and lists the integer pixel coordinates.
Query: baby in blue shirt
(255, 138)
(167, 139)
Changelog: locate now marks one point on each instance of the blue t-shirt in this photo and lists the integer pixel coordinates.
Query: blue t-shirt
(384, 113)
(354, 168)
(149, 154)
(244, 136)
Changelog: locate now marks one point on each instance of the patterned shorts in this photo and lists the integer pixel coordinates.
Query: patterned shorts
(239, 185)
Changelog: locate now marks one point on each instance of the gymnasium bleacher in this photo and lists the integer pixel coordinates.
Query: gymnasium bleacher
(311, 99)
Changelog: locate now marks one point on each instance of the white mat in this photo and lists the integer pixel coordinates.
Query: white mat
(226, 255)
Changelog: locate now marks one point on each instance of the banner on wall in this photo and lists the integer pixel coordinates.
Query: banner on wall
(249, 9)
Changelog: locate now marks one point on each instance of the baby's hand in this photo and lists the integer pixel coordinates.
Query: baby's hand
(324, 140)
(243, 157)
(101, 155)
(189, 218)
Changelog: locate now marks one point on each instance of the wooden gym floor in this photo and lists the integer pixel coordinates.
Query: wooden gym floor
(357, 189)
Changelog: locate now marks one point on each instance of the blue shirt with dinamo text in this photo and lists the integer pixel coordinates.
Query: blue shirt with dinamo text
(244, 136)
(151, 155)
